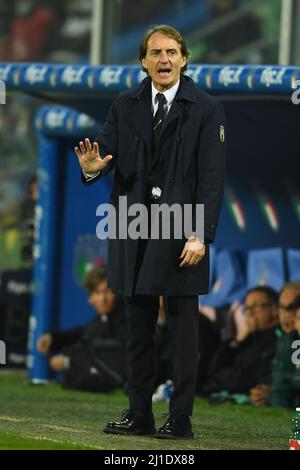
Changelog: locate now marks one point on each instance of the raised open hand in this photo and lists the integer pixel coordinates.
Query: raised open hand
(89, 157)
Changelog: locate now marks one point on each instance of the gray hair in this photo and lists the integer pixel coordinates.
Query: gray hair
(290, 285)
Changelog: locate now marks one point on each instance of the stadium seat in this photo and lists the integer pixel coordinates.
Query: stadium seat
(293, 262)
(229, 281)
(266, 268)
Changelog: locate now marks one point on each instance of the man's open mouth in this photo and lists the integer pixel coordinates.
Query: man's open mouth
(164, 72)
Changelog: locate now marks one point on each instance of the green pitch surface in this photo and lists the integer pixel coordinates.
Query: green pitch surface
(48, 417)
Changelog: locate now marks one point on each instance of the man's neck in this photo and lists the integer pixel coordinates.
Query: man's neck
(161, 88)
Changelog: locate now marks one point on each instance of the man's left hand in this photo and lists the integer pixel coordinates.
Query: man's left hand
(193, 252)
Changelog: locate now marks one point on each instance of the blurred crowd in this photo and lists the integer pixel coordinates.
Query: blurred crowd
(216, 30)
(255, 363)
(45, 31)
(248, 352)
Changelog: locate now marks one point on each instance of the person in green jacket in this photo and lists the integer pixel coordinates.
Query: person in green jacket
(285, 388)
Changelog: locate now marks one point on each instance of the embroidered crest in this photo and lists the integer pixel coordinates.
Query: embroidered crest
(222, 134)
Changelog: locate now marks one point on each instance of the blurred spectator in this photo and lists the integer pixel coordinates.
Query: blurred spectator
(216, 325)
(27, 212)
(243, 30)
(16, 289)
(288, 294)
(6, 14)
(71, 44)
(93, 356)
(33, 24)
(16, 285)
(244, 364)
(29, 202)
(285, 390)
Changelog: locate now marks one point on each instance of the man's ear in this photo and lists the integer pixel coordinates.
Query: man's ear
(184, 61)
(143, 63)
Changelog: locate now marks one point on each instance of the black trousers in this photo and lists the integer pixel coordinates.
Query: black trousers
(182, 316)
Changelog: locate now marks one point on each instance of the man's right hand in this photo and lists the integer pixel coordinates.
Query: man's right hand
(248, 328)
(89, 157)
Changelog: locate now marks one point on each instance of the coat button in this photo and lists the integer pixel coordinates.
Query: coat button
(137, 138)
(178, 140)
(212, 226)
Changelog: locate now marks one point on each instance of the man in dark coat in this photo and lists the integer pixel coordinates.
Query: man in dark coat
(165, 140)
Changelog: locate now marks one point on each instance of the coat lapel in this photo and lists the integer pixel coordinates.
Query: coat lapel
(185, 93)
(174, 113)
(142, 111)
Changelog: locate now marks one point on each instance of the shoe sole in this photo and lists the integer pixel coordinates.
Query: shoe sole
(137, 432)
(173, 437)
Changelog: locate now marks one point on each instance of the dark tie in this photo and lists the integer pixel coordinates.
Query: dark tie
(159, 117)
(155, 176)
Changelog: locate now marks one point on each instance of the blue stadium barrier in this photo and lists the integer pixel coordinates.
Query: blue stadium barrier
(65, 246)
(225, 79)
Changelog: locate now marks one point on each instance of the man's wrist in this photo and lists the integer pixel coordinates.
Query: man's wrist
(90, 175)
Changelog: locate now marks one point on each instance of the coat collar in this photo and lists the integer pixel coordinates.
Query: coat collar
(186, 90)
(141, 112)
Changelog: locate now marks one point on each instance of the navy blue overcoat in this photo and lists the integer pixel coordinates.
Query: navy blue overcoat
(192, 152)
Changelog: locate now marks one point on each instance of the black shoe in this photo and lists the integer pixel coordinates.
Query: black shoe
(176, 427)
(133, 422)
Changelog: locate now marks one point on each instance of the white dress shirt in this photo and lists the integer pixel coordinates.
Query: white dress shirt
(169, 95)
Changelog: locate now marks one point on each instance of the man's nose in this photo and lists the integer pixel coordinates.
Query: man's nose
(164, 58)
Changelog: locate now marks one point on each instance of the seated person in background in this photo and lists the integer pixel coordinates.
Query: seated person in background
(93, 356)
(288, 294)
(285, 389)
(216, 325)
(244, 363)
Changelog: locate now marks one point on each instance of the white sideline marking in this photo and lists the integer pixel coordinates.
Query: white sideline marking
(8, 418)
(51, 426)
(44, 438)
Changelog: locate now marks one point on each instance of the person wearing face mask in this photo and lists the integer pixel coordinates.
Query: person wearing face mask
(166, 141)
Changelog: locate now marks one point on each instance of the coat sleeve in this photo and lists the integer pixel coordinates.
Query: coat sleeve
(211, 168)
(66, 337)
(107, 140)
